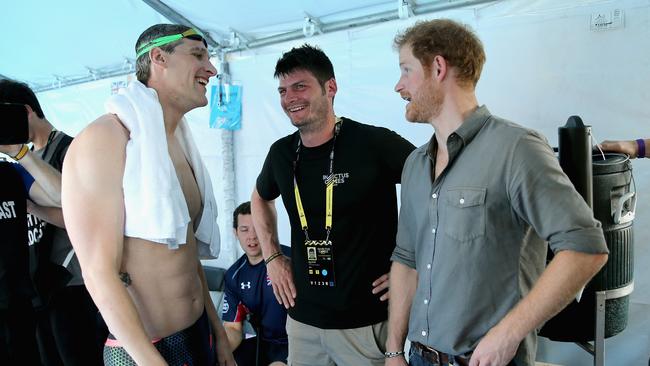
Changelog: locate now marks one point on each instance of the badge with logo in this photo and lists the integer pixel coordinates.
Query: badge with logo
(320, 263)
(320, 253)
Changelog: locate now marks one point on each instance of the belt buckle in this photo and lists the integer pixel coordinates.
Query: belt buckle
(433, 351)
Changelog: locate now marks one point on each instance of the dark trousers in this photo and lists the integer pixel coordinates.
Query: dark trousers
(70, 330)
(246, 353)
(18, 334)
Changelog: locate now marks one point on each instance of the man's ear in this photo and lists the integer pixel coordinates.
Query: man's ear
(158, 56)
(31, 115)
(331, 88)
(439, 68)
(29, 109)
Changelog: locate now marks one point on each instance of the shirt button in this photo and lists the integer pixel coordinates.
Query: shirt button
(435, 195)
(433, 230)
(462, 200)
(428, 265)
(426, 301)
(424, 333)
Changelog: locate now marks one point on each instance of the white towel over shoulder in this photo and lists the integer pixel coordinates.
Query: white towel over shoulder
(154, 203)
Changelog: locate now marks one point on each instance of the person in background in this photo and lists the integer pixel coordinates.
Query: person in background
(69, 328)
(633, 148)
(249, 295)
(31, 180)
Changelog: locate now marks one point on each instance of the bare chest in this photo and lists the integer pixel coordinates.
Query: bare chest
(186, 179)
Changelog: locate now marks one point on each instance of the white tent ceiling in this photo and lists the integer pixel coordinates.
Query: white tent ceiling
(56, 43)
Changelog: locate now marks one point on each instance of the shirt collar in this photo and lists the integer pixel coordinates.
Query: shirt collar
(463, 134)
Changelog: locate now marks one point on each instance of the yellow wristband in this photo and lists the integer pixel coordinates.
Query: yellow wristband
(21, 154)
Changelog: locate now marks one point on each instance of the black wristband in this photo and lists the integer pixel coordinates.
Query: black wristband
(272, 257)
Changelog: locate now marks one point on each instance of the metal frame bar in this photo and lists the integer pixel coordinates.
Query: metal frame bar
(597, 349)
(172, 15)
(176, 17)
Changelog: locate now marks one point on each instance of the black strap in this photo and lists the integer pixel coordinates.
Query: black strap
(50, 138)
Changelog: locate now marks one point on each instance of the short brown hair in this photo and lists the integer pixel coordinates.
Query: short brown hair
(460, 47)
(243, 209)
(143, 63)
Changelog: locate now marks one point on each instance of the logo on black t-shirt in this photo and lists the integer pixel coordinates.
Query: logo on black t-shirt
(245, 285)
(339, 178)
(8, 210)
(35, 229)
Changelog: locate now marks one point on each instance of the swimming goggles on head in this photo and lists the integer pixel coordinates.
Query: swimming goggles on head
(161, 41)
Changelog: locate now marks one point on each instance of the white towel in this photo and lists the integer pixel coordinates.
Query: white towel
(154, 203)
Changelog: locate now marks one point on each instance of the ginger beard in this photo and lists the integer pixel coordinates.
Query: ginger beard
(426, 103)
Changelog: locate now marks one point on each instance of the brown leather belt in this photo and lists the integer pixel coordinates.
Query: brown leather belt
(436, 357)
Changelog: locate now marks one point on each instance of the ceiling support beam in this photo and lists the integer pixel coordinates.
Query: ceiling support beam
(251, 43)
(380, 17)
(177, 18)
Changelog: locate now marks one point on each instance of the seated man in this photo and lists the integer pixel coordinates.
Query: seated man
(249, 292)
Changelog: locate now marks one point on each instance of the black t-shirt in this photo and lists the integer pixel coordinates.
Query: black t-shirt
(14, 262)
(368, 163)
(48, 244)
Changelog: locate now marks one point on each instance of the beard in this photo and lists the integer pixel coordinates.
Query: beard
(317, 117)
(425, 105)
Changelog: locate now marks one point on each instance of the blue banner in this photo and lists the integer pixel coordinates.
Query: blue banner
(225, 107)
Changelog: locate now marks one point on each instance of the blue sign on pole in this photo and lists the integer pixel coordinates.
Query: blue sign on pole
(225, 106)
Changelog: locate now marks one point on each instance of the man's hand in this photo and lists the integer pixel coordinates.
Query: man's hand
(279, 271)
(224, 354)
(396, 361)
(380, 285)
(11, 150)
(626, 147)
(497, 348)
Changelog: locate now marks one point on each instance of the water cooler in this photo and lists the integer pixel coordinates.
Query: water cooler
(606, 183)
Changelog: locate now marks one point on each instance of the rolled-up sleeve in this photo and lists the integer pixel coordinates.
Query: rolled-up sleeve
(404, 251)
(543, 196)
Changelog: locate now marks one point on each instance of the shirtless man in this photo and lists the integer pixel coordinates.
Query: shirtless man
(153, 296)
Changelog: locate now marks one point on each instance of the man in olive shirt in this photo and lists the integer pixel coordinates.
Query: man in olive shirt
(479, 202)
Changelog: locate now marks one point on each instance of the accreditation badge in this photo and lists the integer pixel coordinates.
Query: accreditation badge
(320, 263)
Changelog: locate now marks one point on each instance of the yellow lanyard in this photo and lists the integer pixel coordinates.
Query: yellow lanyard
(329, 189)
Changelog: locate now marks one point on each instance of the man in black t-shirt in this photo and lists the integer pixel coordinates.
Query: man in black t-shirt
(67, 325)
(17, 327)
(17, 324)
(337, 179)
